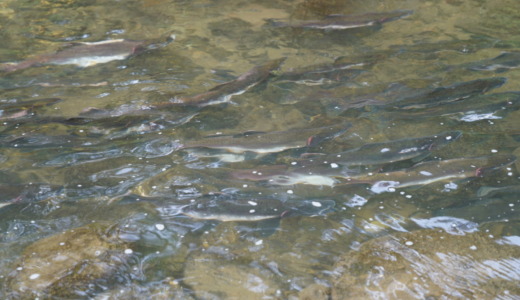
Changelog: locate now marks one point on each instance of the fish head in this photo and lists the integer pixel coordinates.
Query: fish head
(494, 163)
(444, 138)
(329, 132)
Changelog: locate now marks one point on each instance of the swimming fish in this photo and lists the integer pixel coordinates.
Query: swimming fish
(481, 107)
(435, 171)
(503, 62)
(245, 209)
(441, 95)
(270, 142)
(392, 151)
(86, 54)
(222, 93)
(15, 110)
(325, 171)
(15, 193)
(322, 73)
(342, 22)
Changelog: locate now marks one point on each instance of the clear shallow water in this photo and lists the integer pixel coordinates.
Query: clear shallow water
(94, 207)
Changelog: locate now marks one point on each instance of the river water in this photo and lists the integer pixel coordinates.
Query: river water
(110, 190)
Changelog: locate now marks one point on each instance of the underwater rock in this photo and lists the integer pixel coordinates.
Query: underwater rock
(218, 272)
(75, 263)
(429, 264)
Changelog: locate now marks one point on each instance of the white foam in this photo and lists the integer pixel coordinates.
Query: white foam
(384, 186)
(478, 117)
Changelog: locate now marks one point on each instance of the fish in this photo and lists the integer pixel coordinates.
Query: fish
(246, 209)
(342, 22)
(432, 49)
(321, 73)
(434, 171)
(221, 155)
(113, 123)
(337, 105)
(331, 169)
(224, 92)
(319, 175)
(320, 78)
(503, 62)
(16, 193)
(481, 107)
(442, 95)
(269, 142)
(16, 110)
(392, 151)
(85, 54)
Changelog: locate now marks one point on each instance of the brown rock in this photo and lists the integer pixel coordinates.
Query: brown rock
(429, 263)
(70, 264)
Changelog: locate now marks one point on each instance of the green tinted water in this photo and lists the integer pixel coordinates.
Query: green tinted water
(93, 208)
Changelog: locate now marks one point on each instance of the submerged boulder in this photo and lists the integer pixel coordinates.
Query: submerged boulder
(76, 263)
(430, 264)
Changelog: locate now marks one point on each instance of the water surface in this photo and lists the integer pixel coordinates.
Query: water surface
(99, 189)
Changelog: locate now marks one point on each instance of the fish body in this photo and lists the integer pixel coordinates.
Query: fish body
(252, 209)
(221, 156)
(431, 50)
(270, 142)
(17, 110)
(326, 171)
(320, 78)
(82, 55)
(436, 171)
(392, 151)
(481, 107)
(503, 62)
(322, 73)
(222, 93)
(26, 193)
(86, 54)
(315, 174)
(447, 94)
(343, 22)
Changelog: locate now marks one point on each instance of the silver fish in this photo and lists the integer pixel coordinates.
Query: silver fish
(435, 171)
(26, 193)
(320, 175)
(392, 151)
(17, 110)
(86, 54)
(320, 74)
(481, 107)
(442, 95)
(503, 62)
(270, 142)
(342, 22)
(328, 170)
(252, 209)
(222, 93)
